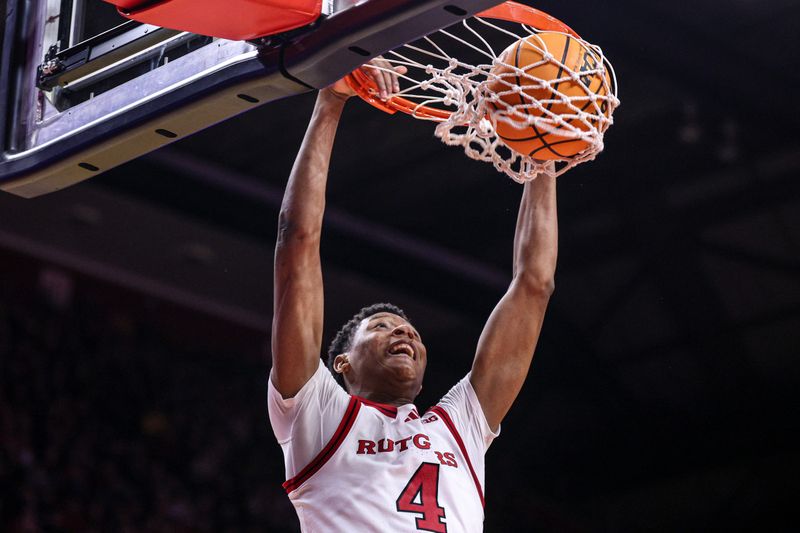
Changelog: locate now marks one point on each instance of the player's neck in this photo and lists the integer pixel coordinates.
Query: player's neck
(383, 397)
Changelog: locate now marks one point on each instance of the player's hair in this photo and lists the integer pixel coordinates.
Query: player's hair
(343, 340)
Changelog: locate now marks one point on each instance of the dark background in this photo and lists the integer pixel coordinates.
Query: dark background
(135, 307)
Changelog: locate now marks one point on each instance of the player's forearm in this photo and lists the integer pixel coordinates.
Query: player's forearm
(304, 200)
(536, 238)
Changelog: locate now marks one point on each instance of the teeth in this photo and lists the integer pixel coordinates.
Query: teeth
(403, 348)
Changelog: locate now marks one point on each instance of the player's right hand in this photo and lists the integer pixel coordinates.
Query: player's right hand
(381, 72)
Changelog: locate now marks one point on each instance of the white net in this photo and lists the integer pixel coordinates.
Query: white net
(460, 78)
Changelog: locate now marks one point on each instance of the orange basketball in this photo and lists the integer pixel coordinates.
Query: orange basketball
(527, 54)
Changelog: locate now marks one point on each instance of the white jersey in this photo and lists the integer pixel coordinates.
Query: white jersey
(353, 465)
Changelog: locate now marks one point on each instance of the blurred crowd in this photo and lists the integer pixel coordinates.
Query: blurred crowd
(107, 426)
(121, 414)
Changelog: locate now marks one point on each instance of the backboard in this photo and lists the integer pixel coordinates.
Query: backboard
(83, 89)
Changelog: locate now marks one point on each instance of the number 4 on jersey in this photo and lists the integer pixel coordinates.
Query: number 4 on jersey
(421, 496)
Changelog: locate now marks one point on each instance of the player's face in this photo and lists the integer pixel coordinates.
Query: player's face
(387, 359)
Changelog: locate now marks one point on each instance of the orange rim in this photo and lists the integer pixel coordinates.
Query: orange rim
(507, 11)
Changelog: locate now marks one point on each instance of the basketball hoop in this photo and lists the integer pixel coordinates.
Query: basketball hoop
(457, 77)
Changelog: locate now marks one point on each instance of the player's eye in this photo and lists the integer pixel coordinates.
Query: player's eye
(381, 325)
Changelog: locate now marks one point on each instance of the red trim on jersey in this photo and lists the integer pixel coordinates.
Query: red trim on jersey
(452, 427)
(327, 452)
(388, 410)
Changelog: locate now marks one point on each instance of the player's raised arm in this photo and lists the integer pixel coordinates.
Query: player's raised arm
(298, 298)
(298, 292)
(506, 346)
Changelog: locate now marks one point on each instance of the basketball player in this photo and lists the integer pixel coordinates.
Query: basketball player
(359, 455)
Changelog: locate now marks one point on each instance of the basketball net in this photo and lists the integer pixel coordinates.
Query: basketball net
(457, 95)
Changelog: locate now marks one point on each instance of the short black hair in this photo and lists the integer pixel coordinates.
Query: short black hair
(343, 340)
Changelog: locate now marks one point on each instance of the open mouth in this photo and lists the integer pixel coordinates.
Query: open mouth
(402, 348)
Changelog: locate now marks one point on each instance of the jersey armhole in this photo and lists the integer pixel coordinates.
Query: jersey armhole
(448, 422)
(327, 452)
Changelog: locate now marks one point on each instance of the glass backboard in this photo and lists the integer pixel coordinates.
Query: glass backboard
(84, 89)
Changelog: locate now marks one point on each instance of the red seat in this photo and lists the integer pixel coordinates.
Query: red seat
(237, 20)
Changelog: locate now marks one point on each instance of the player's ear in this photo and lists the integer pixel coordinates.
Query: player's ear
(341, 363)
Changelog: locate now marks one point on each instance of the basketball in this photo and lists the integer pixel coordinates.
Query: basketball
(528, 54)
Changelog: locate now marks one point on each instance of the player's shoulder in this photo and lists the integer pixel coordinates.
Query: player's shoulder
(459, 393)
(320, 390)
